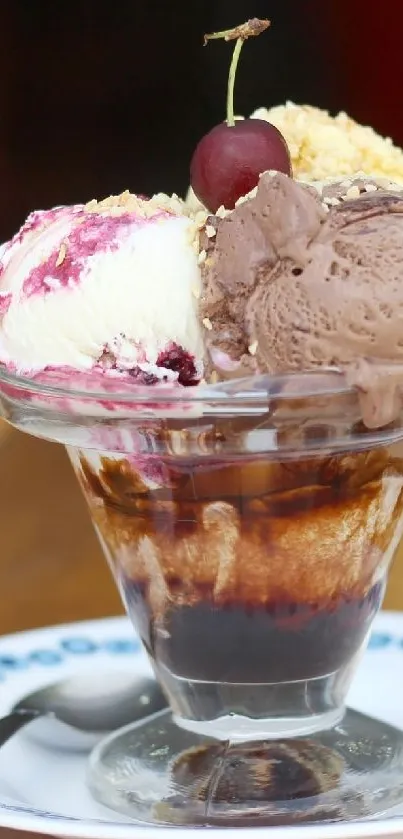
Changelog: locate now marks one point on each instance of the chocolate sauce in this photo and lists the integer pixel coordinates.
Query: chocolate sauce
(253, 572)
(248, 784)
(239, 643)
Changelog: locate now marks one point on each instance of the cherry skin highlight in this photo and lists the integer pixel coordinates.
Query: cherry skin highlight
(229, 160)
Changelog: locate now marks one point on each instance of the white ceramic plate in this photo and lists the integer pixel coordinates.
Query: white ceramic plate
(42, 789)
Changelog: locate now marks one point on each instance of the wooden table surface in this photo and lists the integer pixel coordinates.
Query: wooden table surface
(51, 566)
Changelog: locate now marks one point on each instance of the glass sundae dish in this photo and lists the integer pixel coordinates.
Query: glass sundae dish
(249, 528)
(228, 387)
(249, 522)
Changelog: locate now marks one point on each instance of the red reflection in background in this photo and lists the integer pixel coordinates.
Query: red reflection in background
(366, 49)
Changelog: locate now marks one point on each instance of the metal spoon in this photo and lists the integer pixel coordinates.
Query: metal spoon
(77, 712)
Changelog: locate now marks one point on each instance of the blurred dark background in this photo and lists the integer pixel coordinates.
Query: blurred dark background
(99, 96)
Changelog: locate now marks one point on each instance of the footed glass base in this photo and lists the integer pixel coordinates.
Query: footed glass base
(160, 773)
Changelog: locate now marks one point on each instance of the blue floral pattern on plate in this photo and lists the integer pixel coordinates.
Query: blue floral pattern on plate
(81, 645)
(76, 645)
(54, 652)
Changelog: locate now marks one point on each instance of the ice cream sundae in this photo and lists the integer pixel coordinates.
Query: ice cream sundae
(228, 385)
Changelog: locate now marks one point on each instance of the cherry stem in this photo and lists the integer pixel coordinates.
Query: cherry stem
(241, 34)
(231, 82)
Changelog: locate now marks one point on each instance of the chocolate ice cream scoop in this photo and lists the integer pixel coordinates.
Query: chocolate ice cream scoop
(297, 278)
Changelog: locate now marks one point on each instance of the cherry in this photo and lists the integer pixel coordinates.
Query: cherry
(228, 161)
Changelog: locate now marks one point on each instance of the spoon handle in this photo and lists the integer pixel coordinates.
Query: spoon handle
(12, 723)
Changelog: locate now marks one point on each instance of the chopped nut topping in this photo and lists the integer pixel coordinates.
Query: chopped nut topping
(171, 203)
(384, 183)
(210, 231)
(127, 202)
(200, 218)
(222, 212)
(207, 324)
(202, 257)
(192, 237)
(371, 188)
(62, 254)
(91, 206)
(253, 348)
(353, 192)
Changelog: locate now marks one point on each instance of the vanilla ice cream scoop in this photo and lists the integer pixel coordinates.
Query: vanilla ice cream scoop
(109, 286)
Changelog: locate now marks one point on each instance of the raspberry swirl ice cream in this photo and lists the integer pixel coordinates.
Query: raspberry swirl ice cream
(108, 289)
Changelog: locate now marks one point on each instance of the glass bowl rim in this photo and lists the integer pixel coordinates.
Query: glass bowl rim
(288, 386)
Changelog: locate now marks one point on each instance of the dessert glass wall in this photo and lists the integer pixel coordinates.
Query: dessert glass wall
(249, 527)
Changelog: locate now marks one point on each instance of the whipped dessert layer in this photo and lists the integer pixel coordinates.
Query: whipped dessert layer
(296, 278)
(322, 145)
(106, 288)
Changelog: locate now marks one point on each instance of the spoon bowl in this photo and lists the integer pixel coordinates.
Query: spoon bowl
(77, 712)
